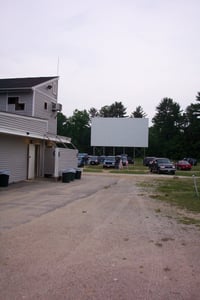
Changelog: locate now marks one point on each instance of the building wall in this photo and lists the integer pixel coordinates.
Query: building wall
(37, 103)
(24, 124)
(43, 109)
(45, 95)
(49, 161)
(67, 158)
(58, 160)
(13, 157)
(25, 98)
(52, 92)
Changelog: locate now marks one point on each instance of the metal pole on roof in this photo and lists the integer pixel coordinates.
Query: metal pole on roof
(58, 66)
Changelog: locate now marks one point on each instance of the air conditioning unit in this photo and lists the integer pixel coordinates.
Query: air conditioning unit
(56, 107)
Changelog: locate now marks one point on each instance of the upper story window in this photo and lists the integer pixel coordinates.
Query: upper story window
(15, 101)
(45, 105)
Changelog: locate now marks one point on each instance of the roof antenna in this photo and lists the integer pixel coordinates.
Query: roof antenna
(58, 67)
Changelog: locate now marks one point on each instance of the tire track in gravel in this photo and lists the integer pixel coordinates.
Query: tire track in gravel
(111, 242)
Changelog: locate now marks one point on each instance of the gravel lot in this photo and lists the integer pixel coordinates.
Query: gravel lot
(100, 237)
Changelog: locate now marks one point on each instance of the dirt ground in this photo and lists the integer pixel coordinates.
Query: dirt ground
(100, 238)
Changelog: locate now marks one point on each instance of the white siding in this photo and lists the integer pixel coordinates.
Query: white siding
(25, 98)
(26, 124)
(52, 92)
(67, 159)
(3, 102)
(13, 157)
(59, 159)
(48, 114)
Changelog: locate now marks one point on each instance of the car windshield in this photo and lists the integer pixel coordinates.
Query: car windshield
(183, 162)
(110, 158)
(164, 161)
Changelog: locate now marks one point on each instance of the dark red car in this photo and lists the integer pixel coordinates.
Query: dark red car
(183, 165)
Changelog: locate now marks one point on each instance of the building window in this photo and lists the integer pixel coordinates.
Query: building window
(19, 106)
(45, 105)
(15, 101)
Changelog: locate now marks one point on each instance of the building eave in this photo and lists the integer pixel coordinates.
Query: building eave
(46, 137)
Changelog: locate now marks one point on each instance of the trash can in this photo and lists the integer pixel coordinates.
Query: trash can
(4, 178)
(66, 176)
(78, 174)
(72, 173)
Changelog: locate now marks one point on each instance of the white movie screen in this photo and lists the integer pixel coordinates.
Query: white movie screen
(119, 132)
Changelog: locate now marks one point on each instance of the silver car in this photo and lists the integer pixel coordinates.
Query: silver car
(109, 162)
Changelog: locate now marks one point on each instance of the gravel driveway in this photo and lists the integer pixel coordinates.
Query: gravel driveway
(100, 237)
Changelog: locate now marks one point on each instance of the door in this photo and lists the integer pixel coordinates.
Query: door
(31, 161)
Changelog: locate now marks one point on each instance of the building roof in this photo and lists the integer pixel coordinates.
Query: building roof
(21, 83)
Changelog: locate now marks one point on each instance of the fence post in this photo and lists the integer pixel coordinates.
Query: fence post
(195, 185)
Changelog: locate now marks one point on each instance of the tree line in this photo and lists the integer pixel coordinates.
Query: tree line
(175, 133)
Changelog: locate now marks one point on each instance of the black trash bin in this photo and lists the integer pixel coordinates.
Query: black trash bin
(66, 176)
(72, 173)
(4, 178)
(78, 174)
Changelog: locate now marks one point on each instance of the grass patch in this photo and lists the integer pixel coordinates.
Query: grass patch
(92, 170)
(180, 192)
(130, 171)
(189, 221)
(138, 168)
(176, 191)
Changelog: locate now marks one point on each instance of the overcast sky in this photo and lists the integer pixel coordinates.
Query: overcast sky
(133, 51)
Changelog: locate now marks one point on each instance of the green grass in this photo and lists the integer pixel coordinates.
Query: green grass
(179, 192)
(138, 168)
(176, 191)
(92, 169)
(189, 221)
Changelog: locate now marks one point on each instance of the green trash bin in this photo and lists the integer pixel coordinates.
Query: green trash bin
(78, 174)
(66, 176)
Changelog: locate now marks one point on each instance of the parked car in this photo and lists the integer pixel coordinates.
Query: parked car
(109, 162)
(147, 160)
(81, 162)
(93, 160)
(183, 165)
(82, 158)
(192, 161)
(130, 160)
(162, 165)
(101, 159)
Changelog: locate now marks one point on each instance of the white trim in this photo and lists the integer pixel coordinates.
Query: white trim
(56, 138)
(20, 133)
